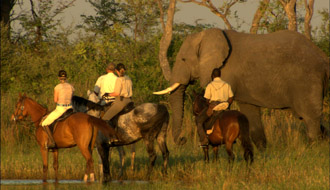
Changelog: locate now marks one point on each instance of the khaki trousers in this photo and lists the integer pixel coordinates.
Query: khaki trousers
(116, 107)
(59, 110)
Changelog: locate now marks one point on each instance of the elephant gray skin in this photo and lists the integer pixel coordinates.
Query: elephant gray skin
(278, 70)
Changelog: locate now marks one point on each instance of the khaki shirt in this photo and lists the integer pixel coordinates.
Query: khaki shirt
(65, 92)
(124, 86)
(218, 90)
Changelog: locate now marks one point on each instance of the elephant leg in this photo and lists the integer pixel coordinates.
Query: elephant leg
(256, 129)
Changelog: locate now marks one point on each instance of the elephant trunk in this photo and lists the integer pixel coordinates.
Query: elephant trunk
(176, 102)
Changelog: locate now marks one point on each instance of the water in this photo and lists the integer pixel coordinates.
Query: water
(17, 184)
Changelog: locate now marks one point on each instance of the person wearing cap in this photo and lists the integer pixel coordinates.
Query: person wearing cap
(108, 85)
(62, 97)
(216, 92)
(123, 92)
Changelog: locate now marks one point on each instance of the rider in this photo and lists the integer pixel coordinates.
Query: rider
(123, 92)
(107, 85)
(62, 97)
(216, 92)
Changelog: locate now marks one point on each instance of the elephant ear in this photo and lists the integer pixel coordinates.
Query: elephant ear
(213, 51)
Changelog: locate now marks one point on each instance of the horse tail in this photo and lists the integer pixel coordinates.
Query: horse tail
(81, 104)
(245, 137)
(103, 126)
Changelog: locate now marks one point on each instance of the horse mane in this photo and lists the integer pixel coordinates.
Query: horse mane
(81, 104)
(38, 106)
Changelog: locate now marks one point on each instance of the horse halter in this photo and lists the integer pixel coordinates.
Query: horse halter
(19, 111)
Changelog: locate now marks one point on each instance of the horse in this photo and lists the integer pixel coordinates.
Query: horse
(78, 129)
(94, 98)
(228, 126)
(148, 121)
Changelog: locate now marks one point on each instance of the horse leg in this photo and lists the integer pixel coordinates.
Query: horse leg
(161, 140)
(215, 152)
(86, 152)
(55, 164)
(44, 154)
(132, 156)
(103, 150)
(206, 154)
(152, 154)
(231, 158)
(121, 153)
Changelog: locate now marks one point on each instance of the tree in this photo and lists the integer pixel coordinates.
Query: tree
(41, 24)
(6, 7)
(290, 10)
(167, 36)
(143, 17)
(309, 7)
(258, 15)
(223, 11)
(108, 13)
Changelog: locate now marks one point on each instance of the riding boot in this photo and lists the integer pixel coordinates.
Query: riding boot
(200, 128)
(51, 142)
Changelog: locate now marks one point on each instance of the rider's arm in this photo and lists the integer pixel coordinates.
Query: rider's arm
(230, 100)
(55, 96)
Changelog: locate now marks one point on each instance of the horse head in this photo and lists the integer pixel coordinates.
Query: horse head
(20, 109)
(199, 103)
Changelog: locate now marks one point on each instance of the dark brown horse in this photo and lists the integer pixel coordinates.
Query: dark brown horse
(79, 129)
(229, 126)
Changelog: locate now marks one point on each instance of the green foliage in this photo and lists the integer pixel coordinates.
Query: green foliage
(108, 13)
(323, 32)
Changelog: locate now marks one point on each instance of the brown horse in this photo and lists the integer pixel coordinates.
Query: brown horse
(228, 126)
(79, 129)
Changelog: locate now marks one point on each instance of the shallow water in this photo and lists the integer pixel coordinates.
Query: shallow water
(37, 182)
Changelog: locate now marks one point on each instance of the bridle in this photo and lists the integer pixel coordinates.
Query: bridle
(19, 111)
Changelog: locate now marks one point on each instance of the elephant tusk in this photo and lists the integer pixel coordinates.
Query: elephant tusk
(168, 90)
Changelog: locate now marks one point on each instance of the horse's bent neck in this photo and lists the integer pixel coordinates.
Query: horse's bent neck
(35, 110)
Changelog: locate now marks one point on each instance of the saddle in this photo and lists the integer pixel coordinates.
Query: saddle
(208, 124)
(65, 115)
(129, 107)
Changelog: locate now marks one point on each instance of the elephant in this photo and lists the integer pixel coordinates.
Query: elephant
(283, 69)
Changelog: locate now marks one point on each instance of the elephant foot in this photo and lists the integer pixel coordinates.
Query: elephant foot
(181, 141)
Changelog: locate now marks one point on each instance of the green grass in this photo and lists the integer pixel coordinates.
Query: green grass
(289, 162)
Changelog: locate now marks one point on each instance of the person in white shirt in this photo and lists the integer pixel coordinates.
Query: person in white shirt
(109, 82)
(216, 92)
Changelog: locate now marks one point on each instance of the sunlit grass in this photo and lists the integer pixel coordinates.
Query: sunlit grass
(289, 162)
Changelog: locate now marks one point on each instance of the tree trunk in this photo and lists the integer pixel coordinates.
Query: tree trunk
(290, 10)
(258, 15)
(309, 6)
(166, 39)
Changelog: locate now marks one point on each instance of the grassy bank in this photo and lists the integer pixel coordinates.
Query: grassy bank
(289, 162)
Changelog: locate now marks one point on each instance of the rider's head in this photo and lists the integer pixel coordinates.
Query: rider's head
(120, 68)
(62, 75)
(111, 67)
(216, 73)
